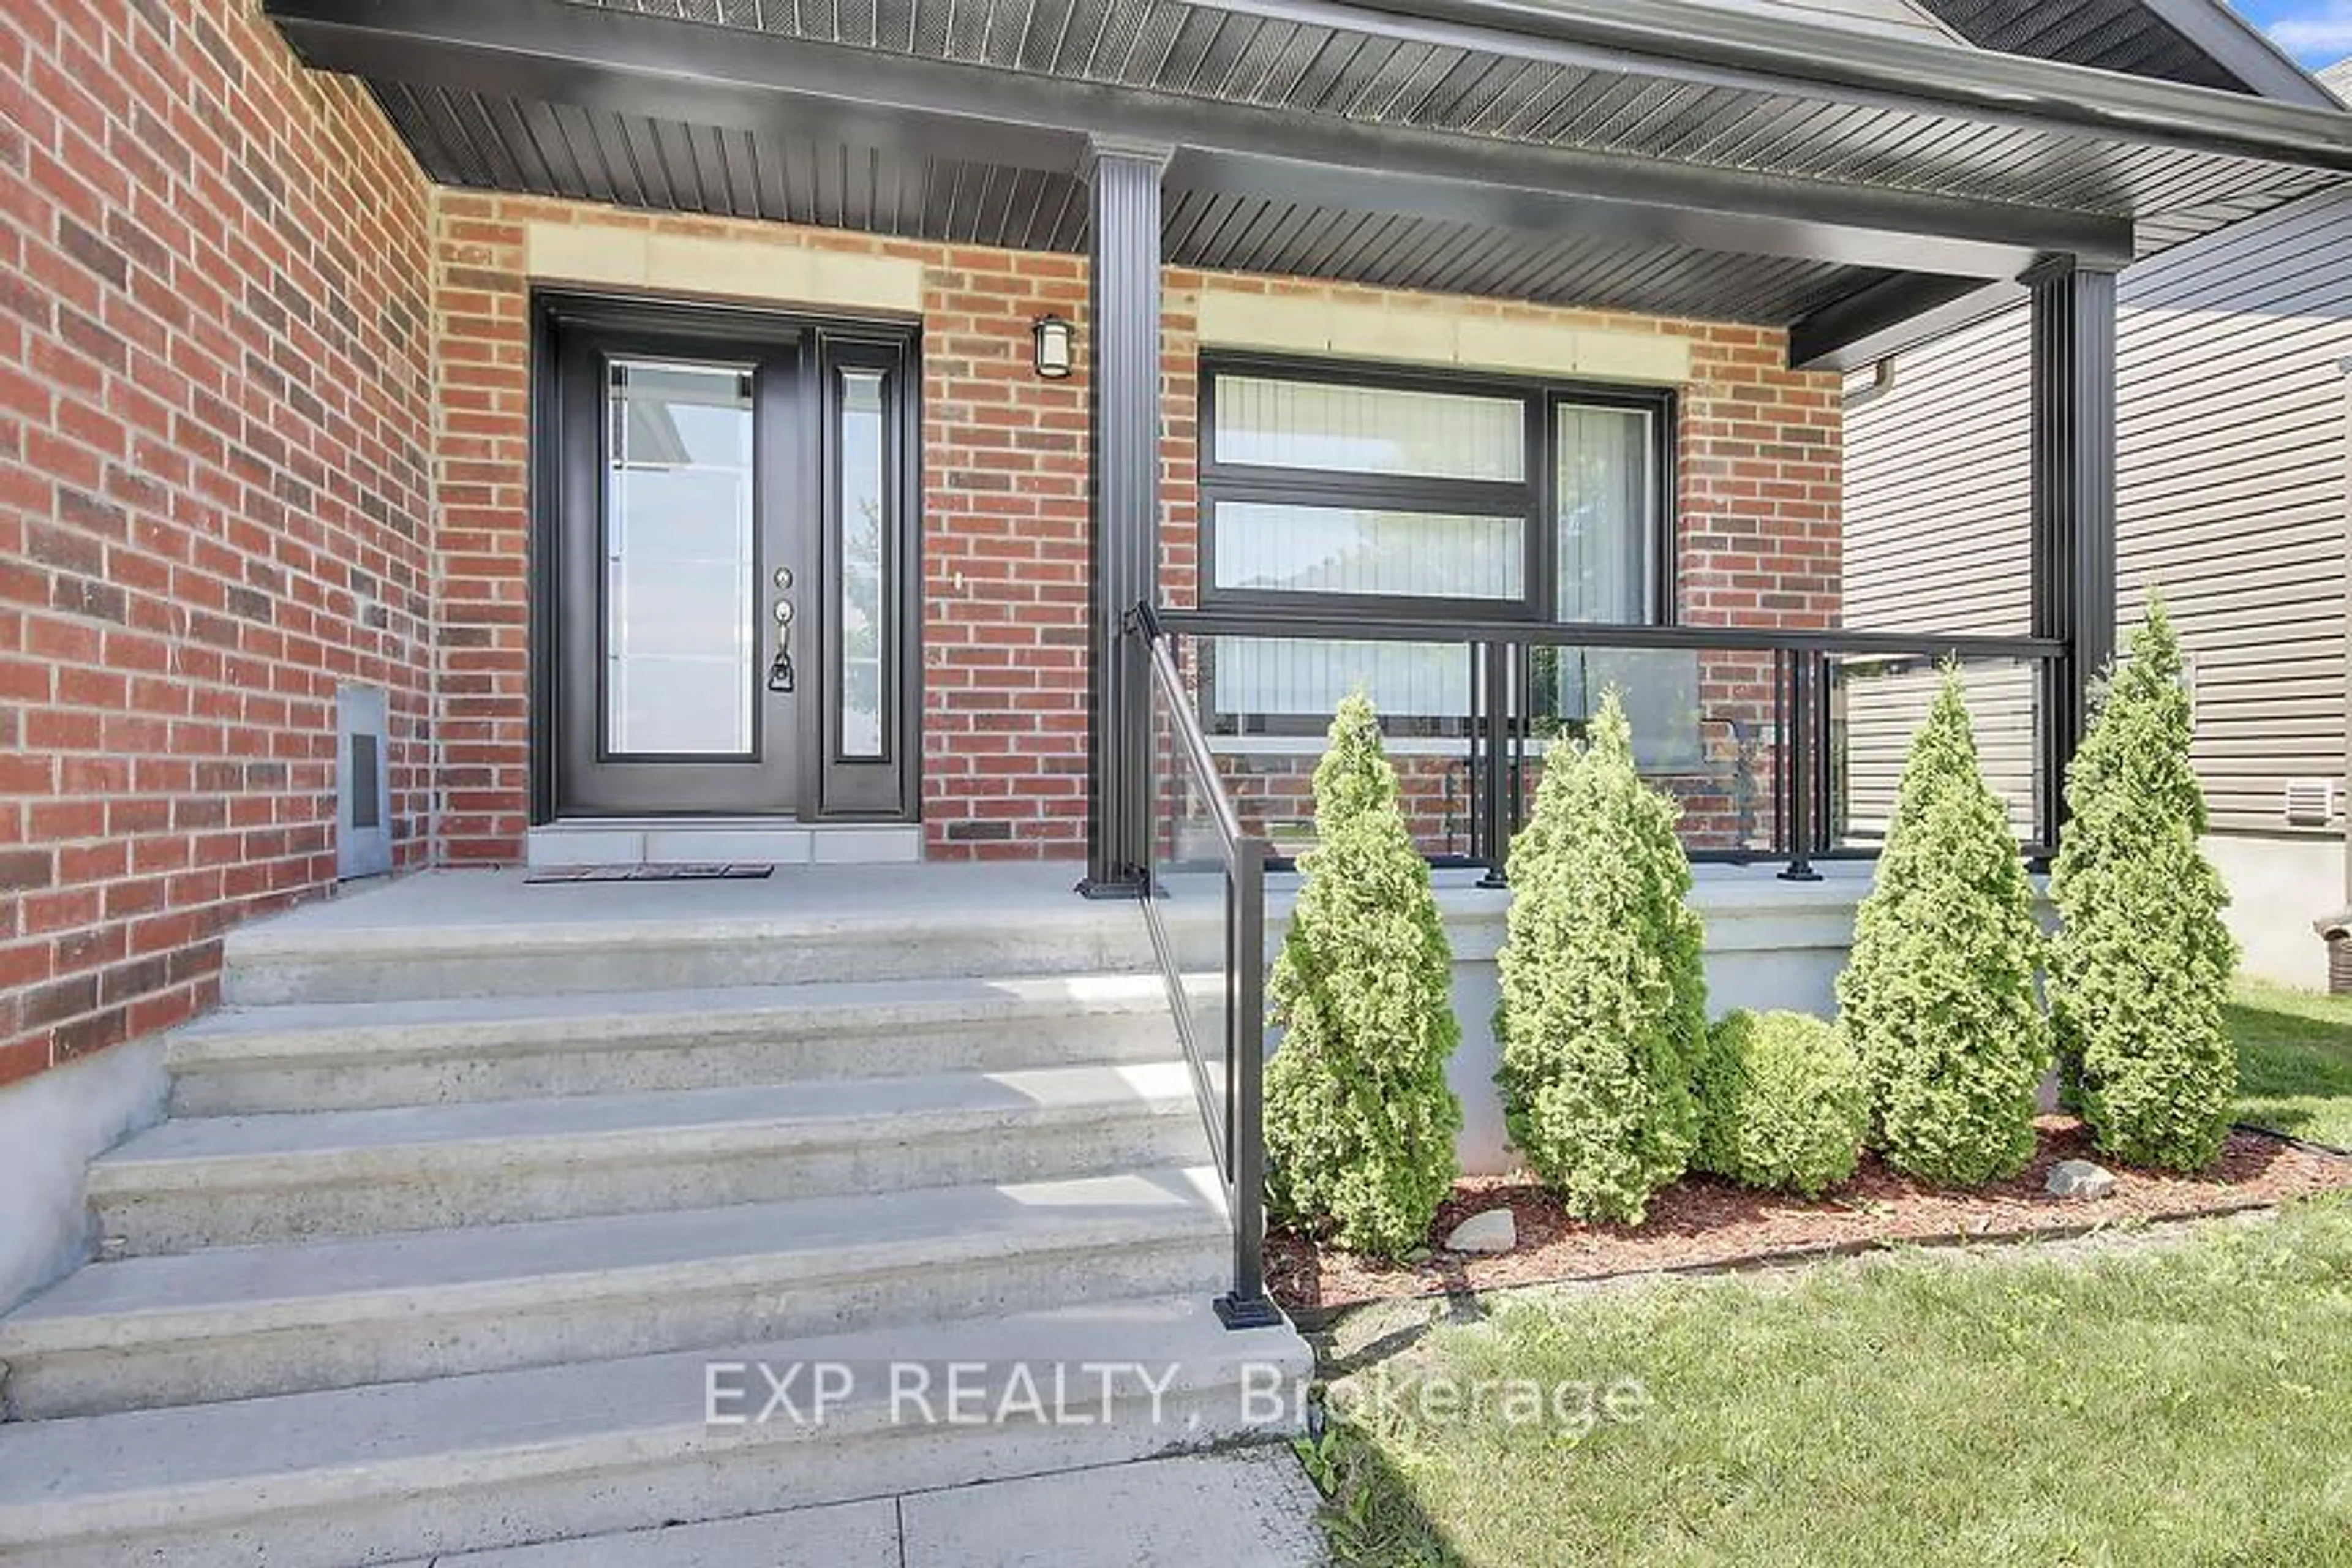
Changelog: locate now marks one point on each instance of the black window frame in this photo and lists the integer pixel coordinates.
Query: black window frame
(1535, 497)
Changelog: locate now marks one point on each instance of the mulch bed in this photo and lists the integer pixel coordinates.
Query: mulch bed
(1703, 1222)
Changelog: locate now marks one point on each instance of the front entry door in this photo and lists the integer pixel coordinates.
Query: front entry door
(724, 586)
(685, 493)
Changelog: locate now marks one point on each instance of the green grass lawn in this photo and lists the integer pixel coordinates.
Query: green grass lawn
(2177, 1402)
(2295, 1061)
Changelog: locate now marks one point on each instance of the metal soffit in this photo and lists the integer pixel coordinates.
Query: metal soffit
(1285, 61)
(472, 139)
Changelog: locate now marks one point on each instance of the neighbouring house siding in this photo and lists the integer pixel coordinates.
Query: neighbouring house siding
(1897, 18)
(1005, 531)
(2231, 491)
(2232, 494)
(215, 497)
(1937, 476)
(1937, 487)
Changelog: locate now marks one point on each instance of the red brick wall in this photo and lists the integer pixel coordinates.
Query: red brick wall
(1004, 540)
(1006, 511)
(1759, 484)
(482, 476)
(1004, 560)
(215, 496)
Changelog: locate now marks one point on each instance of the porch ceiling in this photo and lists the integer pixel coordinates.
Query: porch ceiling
(476, 140)
(1632, 154)
(1303, 55)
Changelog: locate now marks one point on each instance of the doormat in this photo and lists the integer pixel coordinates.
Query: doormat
(712, 872)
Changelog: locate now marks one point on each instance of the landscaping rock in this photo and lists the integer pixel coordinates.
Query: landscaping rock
(1493, 1231)
(2080, 1179)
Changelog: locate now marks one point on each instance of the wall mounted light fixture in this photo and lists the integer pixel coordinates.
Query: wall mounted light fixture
(1056, 347)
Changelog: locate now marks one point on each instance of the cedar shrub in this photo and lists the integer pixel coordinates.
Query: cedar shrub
(1603, 1011)
(1781, 1104)
(2140, 966)
(1360, 1123)
(1938, 996)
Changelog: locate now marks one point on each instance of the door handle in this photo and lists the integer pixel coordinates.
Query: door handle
(781, 676)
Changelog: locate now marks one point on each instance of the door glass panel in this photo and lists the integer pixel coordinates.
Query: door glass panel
(1291, 549)
(865, 513)
(1604, 498)
(679, 621)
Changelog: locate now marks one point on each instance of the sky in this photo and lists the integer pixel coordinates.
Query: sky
(2316, 32)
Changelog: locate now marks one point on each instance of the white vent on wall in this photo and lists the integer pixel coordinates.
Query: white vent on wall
(2310, 803)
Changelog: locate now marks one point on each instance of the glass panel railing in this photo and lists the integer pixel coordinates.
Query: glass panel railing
(1187, 905)
(1877, 703)
(1707, 731)
(1205, 901)
(1776, 743)
(1266, 703)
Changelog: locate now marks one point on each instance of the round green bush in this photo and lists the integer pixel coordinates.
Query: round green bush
(1781, 1104)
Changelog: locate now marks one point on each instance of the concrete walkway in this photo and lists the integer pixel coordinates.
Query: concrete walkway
(1247, 1509)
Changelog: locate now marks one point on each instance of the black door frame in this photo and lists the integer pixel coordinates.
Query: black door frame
(830, 787)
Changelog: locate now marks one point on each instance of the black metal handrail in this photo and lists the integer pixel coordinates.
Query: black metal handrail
(1602, 634)
(1234, 1107)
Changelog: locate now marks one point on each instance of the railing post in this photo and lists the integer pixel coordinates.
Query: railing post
(2074, 499)
(1800, 764)
(1123, 299)
(1248, 1306)
(1488, 729)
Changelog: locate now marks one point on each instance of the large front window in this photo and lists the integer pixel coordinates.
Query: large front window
(1334, 490)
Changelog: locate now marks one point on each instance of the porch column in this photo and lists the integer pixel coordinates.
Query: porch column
(1123, 300)
(2074, 532)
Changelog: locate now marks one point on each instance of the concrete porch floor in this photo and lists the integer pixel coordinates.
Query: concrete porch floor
(477, 903)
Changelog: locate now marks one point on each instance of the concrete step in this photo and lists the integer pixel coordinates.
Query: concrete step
(242, 1322)
(651, 944)
(236, 1180)
(653, 841)
(360, 1055)
(352, 1476)
(1247, 1506)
